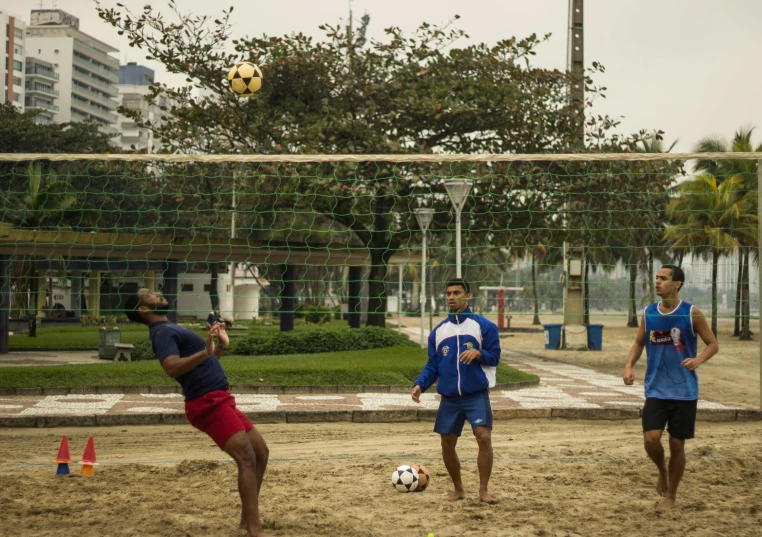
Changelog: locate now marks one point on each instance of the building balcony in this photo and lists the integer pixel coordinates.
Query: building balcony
(94, 96)
(33, 72)
(97, 113)
(43, 90)
(108, 74)
(86, 78)
(37, 103)
(97, 54)
(107, 129)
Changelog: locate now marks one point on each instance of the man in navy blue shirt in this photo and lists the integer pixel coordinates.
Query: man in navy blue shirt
(464, 351)
(209, 407)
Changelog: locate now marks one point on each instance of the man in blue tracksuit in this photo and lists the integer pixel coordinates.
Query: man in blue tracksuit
(464, 351)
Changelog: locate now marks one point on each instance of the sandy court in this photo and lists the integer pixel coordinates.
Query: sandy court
(553, 478)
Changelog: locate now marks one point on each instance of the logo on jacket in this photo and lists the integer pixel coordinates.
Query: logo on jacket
(445, 350)
(469, 346)
(673, 337)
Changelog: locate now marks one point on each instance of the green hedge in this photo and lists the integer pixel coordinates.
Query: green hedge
(318, 340)
(302, 342)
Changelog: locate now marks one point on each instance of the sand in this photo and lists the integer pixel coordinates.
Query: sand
(553, 478)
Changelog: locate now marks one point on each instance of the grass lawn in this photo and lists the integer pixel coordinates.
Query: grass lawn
(394, 365)
(78, 337)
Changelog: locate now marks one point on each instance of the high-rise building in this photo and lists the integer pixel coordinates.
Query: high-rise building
(87, 73)
(12, 30)
(40, 88)
(134, 85)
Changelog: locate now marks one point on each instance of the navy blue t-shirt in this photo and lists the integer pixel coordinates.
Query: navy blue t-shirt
(168, 339)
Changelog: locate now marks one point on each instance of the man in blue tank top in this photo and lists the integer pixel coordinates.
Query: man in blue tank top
(669, 334)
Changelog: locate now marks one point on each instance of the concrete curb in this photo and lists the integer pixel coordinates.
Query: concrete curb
(362, 416)
(237, 389)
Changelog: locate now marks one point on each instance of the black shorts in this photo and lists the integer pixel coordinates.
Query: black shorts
(679, 416)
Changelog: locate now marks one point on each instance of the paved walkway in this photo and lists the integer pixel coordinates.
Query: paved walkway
(564, 391)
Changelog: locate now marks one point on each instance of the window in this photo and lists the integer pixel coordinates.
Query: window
(16, 97)
(207, 287)
(17, 49)
(17, 81)
(17, 65)
(186, 288)
(19, 33)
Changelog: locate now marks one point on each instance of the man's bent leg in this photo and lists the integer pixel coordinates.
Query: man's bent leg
(676, 469)
(654, 449)
(484, 461)
(262, 453)
(452, 463)
(239, 447)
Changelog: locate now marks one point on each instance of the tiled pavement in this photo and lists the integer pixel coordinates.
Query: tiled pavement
(564, 391)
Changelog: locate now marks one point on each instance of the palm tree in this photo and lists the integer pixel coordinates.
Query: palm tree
(708, 218)
(722, 169)
(48, 204)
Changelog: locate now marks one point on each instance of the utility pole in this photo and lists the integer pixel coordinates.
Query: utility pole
(574, 334)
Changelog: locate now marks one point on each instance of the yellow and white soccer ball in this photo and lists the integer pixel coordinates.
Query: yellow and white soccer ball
(245, 79)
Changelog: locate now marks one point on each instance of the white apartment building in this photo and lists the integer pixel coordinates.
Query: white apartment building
(87, 73)
(40, 90)
(134, 85)
(12, 31)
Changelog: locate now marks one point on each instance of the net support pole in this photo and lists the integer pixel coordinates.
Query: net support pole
(355, 288)
(170, 288)
(5, 302)
(458, 270)
(287, 296)
(423, 291)
(759, 281)
(400, 268)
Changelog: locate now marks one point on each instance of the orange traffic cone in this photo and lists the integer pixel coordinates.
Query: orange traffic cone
(88, 459)
(63, 458)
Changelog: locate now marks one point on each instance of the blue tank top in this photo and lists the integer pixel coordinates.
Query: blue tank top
(670, 339)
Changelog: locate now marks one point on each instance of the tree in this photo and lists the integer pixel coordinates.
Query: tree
(48, 203)
(721, 169)
(414, 94)
(708, 218)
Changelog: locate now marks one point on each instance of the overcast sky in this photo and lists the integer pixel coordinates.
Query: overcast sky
(674, 65)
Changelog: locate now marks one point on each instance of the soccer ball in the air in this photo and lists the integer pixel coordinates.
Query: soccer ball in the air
(245, 79)
(405, 479)
(424, 477)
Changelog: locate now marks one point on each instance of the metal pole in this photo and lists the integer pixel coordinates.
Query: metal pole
(759, 280)
(458, 272)
(232, 265)
(399, 298)
(423, 292)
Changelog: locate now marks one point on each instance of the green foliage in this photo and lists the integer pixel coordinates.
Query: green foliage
(318, 340)
(142, 351)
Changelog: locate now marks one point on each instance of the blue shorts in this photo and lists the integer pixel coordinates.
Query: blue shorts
(454, 411)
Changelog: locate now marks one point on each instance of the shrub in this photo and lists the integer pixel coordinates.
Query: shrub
(142, 351)
(316, 315)
(318, 340)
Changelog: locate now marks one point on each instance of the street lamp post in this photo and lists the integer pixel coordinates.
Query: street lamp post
(424, 217)
(458, 190)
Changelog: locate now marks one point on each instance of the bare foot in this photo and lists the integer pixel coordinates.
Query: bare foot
(456, 495)
(259, 533)
(486, 498)
(243, 525)
(661, 483)
(665, 505)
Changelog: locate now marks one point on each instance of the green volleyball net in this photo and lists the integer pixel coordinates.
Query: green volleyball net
(335, 239)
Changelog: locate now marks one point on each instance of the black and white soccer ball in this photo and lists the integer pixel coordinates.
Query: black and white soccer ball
(245, 79)
(405, 478)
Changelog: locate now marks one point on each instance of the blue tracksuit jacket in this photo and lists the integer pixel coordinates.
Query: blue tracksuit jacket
(461, 332)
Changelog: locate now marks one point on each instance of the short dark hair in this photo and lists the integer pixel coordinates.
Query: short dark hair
(677, 274)
(459, 281)
(131, 310)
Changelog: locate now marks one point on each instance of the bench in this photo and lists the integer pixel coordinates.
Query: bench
(123, 352)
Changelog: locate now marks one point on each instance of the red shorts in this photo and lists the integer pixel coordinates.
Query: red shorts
(215, 414)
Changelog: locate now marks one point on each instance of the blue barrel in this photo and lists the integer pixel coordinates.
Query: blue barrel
(595, 337)
(552, 335)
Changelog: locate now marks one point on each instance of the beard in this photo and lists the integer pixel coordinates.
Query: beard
(160, 308)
